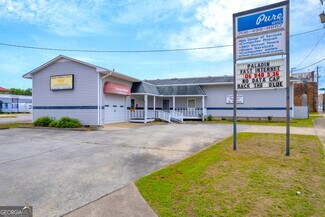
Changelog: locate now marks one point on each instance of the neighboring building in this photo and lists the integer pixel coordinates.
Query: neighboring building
(68, 87)
(4, 90)
(306, 91)
(15, 103)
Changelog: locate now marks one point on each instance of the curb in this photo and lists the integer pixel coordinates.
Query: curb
(53, 128)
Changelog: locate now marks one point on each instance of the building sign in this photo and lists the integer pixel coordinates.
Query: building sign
(110, 87)
(262, 21)
(230, 98)
(260, 45)
(304, 76)
(62, 82)
(261, 32)
(268, 74)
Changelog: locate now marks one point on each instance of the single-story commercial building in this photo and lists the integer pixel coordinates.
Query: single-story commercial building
(95, 95)
(15, 103)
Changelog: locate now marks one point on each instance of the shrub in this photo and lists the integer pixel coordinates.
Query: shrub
(269, 118)
(54, 123)
(43, 121)
(223, 118)
(66, 122)
(209, 118)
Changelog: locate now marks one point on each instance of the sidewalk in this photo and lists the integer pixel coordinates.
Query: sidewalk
(320, 129)
(280, 129)
(125, 202)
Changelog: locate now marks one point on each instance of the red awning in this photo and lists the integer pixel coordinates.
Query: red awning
(110, 87)
(4, 90)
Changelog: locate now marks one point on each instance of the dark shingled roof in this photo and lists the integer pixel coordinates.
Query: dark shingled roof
(191, 81)
(181, 90)
(143, 87)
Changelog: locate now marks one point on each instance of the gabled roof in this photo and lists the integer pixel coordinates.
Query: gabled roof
(183, 90)
(4, 90)
(98, 68)
(143, 87)
(192, 81)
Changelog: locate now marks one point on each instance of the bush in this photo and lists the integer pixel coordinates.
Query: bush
(209, 118)
(269, 118)
(54, 123)
(223, 118)
(43, 121)
(66, 122)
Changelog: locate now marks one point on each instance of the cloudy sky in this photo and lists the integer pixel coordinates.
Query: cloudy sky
(141, 25)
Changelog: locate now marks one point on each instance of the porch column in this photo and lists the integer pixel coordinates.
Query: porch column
(154, 106)
(203, 108)
(145, 108)
(173, 103)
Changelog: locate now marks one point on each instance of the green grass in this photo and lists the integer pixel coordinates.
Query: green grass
(294, 123)
(8, 116)
(255, 180)
(14, 125)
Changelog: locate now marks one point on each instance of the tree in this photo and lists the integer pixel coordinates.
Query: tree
(19, 91)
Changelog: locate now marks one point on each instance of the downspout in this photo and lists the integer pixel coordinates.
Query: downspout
(100, 97)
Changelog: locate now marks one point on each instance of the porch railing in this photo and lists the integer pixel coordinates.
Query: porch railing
(192, 112)
(165, 116)
(177, 116)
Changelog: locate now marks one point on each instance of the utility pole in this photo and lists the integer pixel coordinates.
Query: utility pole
(317, 76)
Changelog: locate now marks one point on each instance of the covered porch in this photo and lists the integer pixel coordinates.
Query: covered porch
(175, 108)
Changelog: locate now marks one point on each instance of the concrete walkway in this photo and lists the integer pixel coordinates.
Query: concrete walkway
(320, 129)
(280, 129)
(124, 202)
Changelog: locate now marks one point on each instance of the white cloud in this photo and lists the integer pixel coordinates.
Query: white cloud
(213, 26)
(60, 17)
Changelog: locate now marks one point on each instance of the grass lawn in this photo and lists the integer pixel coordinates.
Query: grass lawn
(14, 125)
(294, 123)
(8, 116)
(255, 180)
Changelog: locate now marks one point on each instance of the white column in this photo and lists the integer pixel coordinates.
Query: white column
(203, 108)
(145, 108)
(173, 103)
(154, 106)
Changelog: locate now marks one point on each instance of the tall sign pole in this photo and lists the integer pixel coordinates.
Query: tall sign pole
(260, 35)
(235, 90)
(288, 79)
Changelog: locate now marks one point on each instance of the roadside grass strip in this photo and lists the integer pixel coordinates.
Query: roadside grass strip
(255, 180)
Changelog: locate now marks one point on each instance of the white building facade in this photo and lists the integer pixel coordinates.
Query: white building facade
(68, 87)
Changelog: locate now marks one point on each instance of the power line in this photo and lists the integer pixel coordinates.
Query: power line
(310, 65)
(302, 33)
(132, 51)
(115, 51)
(311, 51)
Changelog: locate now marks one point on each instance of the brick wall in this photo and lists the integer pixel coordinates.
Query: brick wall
(311, 90)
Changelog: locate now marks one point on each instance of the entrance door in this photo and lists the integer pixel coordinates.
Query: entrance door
(166, 104)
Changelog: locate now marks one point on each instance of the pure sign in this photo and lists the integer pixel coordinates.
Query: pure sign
(261, 75)
(261, 34)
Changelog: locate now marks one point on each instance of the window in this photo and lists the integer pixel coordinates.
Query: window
(191, 103)
(132, 103)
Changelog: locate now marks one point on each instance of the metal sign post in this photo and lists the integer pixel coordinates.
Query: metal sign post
(235, 90)
(288, 79)
(259, 33)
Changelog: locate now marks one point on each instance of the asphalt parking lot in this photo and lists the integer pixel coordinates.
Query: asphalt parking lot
(57, 171)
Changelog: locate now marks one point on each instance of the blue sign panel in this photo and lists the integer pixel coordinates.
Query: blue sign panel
(263, 21)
